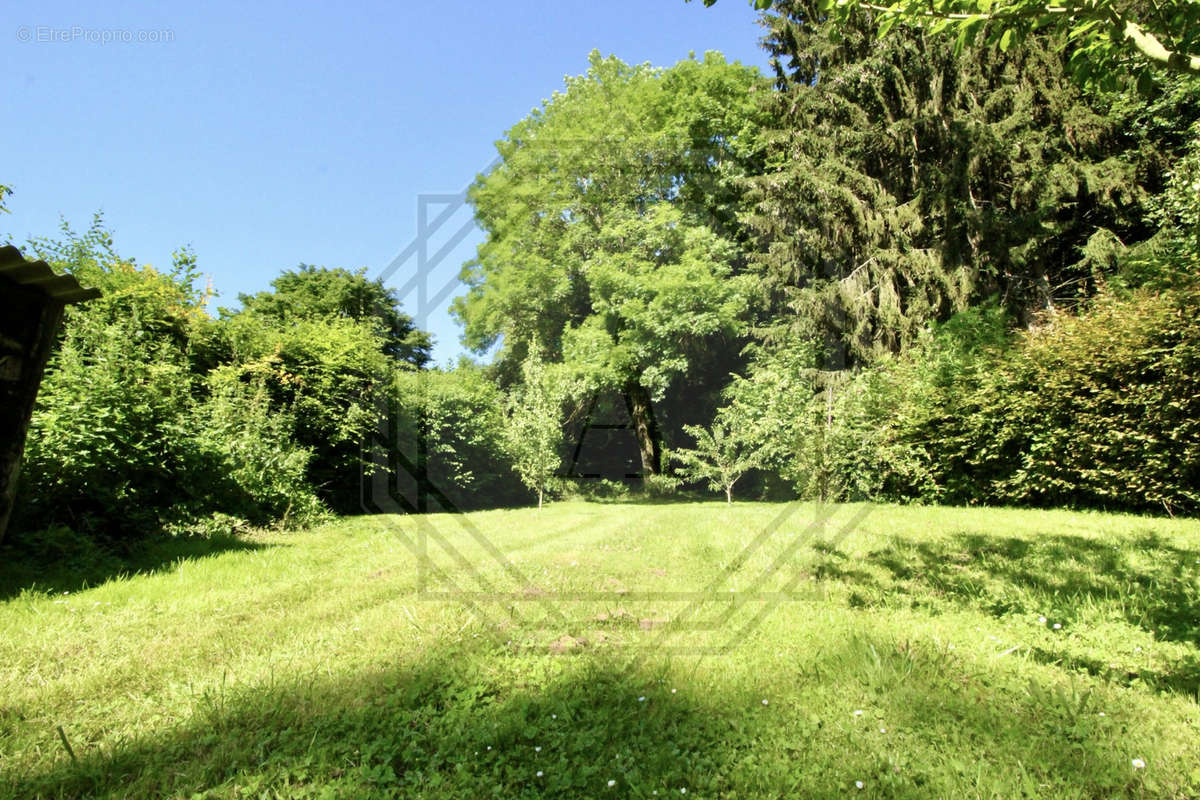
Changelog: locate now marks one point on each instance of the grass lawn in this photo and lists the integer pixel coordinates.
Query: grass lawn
(599, 650)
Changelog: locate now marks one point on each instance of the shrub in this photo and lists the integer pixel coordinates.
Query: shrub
(137, 431)
(104, 451)
(244, 460)
(1100, 409)
(328, 375)
(458, 416)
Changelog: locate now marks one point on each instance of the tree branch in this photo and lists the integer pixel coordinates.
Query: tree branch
(1149, 46)
(1146, 43)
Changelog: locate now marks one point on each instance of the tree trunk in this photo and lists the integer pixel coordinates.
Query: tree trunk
(637, 401)
(539, 499)
(729, 494)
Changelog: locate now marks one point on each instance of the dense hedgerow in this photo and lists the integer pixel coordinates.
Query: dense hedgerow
(129, 437)
(156, 417)
(1100, 409)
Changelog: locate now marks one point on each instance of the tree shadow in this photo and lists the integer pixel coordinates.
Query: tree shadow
(1158, 595)
(475, 725)
(1149, 582)
(429, 728)
(60, 560)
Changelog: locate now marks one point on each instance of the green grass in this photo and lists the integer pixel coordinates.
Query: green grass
(318, 664)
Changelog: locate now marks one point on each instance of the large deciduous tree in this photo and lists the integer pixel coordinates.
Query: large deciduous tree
(612, 228)
(309, 292)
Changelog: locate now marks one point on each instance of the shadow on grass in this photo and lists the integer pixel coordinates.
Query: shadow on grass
(1002, 574)
(438, 728)
(1148, 581)
(73, 562)
(477, 725)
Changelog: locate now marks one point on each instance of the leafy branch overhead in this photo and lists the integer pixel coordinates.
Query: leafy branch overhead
(1109, 40)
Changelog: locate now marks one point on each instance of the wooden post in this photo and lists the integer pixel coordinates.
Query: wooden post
(32, 299)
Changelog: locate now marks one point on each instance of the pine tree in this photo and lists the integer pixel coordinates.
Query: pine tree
(904, 183)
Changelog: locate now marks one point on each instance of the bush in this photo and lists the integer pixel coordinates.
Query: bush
(104, 451)
(1099, 410)
(135, 432)
(328, 376)
(458, 415)
(245, 461)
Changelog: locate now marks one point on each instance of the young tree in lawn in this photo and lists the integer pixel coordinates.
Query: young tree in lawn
(723, 454)
(533, 434)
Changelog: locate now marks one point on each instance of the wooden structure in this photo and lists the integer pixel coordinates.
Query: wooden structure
(32, 299)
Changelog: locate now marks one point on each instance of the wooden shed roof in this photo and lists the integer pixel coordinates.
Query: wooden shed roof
(38, 275)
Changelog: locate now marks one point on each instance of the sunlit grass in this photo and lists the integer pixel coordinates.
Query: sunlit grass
(920, 652)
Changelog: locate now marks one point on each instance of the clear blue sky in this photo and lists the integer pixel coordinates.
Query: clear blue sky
(268, 134)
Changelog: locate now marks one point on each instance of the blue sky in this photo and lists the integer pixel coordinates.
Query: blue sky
(268, 134)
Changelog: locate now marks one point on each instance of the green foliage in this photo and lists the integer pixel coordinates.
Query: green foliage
(453, 421)
(1096, 410)
(1172, 257)
(722, 455)
(1092, 410)
(533, 433)
(328, 373)
(905, 183)
(312, 293)
(611, 227)
(128, 438)
(658, 290)
(1111, 42)
(609, 177)
(245, 458)
(104, 448)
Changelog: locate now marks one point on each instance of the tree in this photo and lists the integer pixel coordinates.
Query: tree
(533, 434)
(612, 230)
(722, 455)
(329, 374)
(128, 437)
(1110, 40)
(309, 292)
(904, 183)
